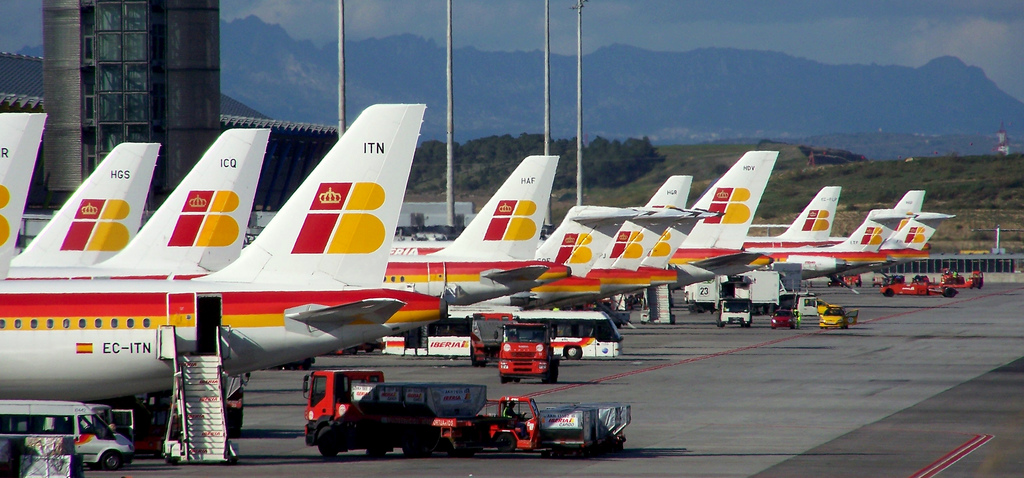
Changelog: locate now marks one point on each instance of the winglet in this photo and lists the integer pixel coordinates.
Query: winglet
(201, 225)
(20, 134)
(339, 223)
(508, 226)
(103, 215)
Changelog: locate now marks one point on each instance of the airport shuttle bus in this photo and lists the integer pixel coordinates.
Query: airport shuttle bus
(578, 334)
(95, 441)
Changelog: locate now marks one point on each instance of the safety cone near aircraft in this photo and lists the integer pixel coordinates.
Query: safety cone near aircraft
(101, 217)
(20, 135)
(309, 284)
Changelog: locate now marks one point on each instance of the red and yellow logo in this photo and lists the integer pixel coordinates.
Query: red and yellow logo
(332, 227)
(204, 220)
(83, 347)
(512, 221)
(817, 220)
(5, 227)
(731, 202)
(915, 235)
(872, 236)
(97, 226)
(627, 245)
(575, 249)
(662, 248)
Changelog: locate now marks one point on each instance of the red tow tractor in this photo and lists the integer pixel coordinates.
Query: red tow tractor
(919, 285)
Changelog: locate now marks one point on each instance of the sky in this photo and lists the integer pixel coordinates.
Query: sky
(985, 33)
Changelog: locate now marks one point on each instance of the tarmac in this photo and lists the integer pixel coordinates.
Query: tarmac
(920, 387)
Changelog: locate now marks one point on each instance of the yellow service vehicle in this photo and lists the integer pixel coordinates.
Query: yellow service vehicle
(834, 316)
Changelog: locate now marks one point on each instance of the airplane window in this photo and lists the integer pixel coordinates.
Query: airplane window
(67, 323)
(145, 322)
(81, 323)
(17, 323)
(49, 323)
(34, 323)
(131, 323)
(402, 279)
(3, 324)
(392, 278)
(99, 323)
(113, 323)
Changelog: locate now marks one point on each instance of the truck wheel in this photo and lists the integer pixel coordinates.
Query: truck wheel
(111, 460)
(478, 363)
(414, 445)
(949, 292)
(326, 443)
(720, 324)
(504, 379)
(888, 293)
(573, 353)
(552, 376)
(505, 442)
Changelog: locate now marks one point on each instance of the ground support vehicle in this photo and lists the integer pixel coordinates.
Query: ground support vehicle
(786, 318)
(92, 437)
(734, 311)
(958, 281)
(354, 410)
(762, 288)
(485, 336)
(920, 285)
(835, 316)
(526, 352)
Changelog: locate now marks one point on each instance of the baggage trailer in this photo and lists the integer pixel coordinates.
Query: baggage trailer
(355, 410)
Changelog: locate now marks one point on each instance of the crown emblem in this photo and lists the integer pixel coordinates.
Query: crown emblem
(197, 201)
(722, 195)
(505, 208)
(90, 210)
(330, 197)
(624, 236)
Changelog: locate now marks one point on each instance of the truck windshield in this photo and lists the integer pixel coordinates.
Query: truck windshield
(739, 306)
(526, 334)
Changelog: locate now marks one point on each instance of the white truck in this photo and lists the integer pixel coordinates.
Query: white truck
(734, 311)
(761, 288)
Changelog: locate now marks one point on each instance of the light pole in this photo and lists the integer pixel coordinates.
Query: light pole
(579, 101)
(341, 68)
(450, 193)
(547, 77)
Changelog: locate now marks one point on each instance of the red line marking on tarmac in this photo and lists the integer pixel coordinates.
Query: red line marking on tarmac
(750, 347)
(952, 457)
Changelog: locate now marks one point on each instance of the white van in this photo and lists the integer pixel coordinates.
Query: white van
(95, 441)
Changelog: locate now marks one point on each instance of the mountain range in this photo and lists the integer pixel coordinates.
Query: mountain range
(704, 95)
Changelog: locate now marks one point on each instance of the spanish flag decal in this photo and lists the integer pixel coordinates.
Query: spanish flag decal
(83, 348)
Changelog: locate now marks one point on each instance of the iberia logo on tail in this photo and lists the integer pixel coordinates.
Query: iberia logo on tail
(662, 248)
(339, 223)
(872, 236)
(574, 249)
(817, 220)
(915, 235)
(627, 245)
(98, 226)
(5, 227)
(512, 221)
(204, 220)
(731, 202)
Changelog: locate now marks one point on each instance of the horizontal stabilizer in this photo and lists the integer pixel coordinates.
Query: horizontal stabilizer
(727, 262)
(520, 274)
(375, 311)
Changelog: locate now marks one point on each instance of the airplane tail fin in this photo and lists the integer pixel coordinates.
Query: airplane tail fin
(201, 225)
(585, 232)
(736, 194)
(815, 222)
(916, 232)
(339, 223)
(910, 204)
(672, 194)
(20, 134)
(869, 236)
(103, 215)
(509, 224)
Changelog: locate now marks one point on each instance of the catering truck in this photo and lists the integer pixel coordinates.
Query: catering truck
(356, 410)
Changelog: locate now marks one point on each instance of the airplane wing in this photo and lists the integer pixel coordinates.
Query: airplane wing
(527, 273)
(376, 311)
(729, 262)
